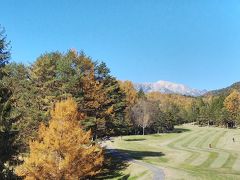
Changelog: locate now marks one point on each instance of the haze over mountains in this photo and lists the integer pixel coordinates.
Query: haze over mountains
(167, 87)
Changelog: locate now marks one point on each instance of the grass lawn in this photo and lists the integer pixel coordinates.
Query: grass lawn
(186, 154)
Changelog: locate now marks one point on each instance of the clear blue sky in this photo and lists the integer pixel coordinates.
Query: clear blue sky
(186, 41)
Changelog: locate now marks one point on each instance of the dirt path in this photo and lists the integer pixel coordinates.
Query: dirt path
(158, 173)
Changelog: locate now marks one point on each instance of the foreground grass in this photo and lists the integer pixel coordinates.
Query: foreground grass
(186, 154)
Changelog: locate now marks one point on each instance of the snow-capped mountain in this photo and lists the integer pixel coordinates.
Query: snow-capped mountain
(169, 88)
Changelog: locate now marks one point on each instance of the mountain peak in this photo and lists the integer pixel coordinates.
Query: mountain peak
(168, 87)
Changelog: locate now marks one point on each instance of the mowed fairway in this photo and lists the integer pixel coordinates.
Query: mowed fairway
(187, 155)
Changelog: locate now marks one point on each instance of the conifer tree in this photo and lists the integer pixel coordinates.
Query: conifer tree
(4, 50)
(62, 150)
(24, 102)
(7, 118)
(141, 94)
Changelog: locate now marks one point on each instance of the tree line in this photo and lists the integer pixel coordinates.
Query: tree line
(221, 110)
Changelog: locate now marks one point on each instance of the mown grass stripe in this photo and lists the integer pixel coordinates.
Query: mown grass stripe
(212, 156)
(206, 140)
(192, 139)
(231, 160)
(213, 153)
(236, 165)
(203, 155)
(220, 160)
(222, 156)
(183, 138)
(177, 145)
(197, 153)
(216, 141)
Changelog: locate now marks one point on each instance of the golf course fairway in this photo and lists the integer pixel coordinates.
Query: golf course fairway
(191, 152)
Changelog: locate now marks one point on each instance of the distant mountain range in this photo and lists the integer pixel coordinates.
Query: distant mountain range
(169, 88)
(225, 91)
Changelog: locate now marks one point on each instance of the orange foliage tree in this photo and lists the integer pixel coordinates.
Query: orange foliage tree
(63, 150)
(232, 104)
(131, 99)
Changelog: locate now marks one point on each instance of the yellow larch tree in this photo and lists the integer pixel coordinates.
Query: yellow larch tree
(130, 91)
(232, 104)
(131, 99)
(62, 150)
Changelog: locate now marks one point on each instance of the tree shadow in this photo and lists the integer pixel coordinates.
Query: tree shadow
(139, 155)
(116, 161)
(134, 139)
(180, 130)
(125, 177)
(113, 166)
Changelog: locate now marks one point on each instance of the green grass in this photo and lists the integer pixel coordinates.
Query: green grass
(187, 155)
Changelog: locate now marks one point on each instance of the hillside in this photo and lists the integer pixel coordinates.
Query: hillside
(224, 91)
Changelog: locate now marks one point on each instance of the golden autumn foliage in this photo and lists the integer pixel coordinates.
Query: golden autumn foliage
(166, 99)
(129, 90)
(232, 103)
(131, 99)
(63, 150)
(94, 95)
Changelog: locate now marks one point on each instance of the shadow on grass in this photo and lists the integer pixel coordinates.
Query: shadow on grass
(180, 130)
(116, 161)
(113, 167)
(139, 155)
(134, 139)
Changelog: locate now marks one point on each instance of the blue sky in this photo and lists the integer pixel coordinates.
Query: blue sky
(196, 43)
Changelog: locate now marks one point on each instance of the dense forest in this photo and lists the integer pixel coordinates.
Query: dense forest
(108, 107)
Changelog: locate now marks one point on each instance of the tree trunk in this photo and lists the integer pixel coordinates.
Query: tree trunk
(143, 130)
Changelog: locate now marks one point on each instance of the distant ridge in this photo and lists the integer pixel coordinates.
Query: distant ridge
(167, 87)
(224, 91)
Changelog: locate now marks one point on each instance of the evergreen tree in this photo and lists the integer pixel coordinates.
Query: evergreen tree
(7, 117)
(8, 135)
(4, 50)
(141, 94)
(24, 102)
(114, 106)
